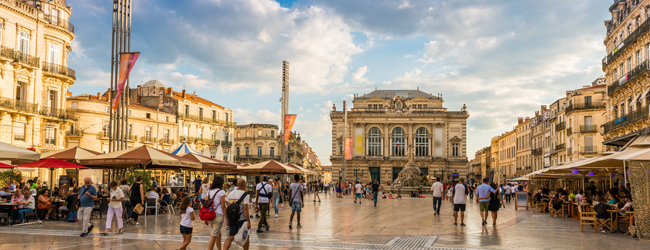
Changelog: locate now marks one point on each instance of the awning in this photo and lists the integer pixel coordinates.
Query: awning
(74, 154)
(11, 152)
(645, 93)
(621, 140)
(142, 155)
(635, 98)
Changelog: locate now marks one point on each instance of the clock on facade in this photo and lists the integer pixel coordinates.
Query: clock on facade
(398, 106)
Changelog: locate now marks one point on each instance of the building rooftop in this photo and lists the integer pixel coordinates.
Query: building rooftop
(389, 94)
(193, 98)
(153, 83)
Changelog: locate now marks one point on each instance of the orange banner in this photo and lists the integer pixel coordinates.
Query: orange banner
(348, 148)
(288, 125)
(127, 60)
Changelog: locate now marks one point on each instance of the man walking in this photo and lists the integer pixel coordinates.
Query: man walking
(234, 226)
(483, 191)
(513, 190)
(508, 191)
(460, 200)
(437, 191)
(87, 197)
(358, 189)
(264, 193)
(296, 200)
(375, 191)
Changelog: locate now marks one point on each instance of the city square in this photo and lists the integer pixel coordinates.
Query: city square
(310, 124)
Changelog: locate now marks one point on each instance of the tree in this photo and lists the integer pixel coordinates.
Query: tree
(132, 174)
(10, 175)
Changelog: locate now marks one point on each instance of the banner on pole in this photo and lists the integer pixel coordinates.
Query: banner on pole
(348, 148)
(288, 125)
(358, 141)
(127, 60)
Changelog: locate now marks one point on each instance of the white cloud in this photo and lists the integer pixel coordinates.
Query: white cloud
(405, 4)
(359, 75)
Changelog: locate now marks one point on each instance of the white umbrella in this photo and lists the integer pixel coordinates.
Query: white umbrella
(11, 152)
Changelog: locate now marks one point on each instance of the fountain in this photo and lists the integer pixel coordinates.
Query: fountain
(411, 177)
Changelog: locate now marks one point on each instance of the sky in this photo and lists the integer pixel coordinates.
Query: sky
(503, 59)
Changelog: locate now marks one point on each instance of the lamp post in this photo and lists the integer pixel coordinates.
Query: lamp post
(357, 171)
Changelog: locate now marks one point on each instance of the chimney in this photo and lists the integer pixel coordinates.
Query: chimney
(194, 93)
(139, 90)
(99, 95)
(68, 94)
(183, 95)
(520, 120)
(169, 90)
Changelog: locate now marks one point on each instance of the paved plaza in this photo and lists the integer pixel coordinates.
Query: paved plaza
(340, 224)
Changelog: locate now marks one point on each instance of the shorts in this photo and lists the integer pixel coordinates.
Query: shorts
(358, 195)
(484, 205)
(296, 207)
(459, 207)
(186, 230)
(216, 225)
(234, 227)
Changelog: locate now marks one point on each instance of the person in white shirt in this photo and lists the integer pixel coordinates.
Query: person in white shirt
(297, 203)
(460, 199)
(218, 197)
(173, 181)
(358, 189)
(437, 191)
(186, 212)
(264, 194)
(234, 197)
(508, 192)
(513, 190)
(115, 199)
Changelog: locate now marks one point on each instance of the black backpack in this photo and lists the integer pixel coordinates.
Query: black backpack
(232, 211)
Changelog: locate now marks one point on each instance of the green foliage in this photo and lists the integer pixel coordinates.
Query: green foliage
(10, 175)
(147, 177)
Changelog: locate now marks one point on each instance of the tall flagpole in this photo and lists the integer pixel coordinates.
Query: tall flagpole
(285, 109)
(120, 43)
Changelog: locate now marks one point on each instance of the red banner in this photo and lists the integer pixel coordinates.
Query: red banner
(127, 60)
(348, 148)
(288, 125)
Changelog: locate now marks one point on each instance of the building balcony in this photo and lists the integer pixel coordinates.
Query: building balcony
(166, 141)
(26, 59)
(628, 119)
(74, 133)
(591, 149)
(374, 157)
(6, 53)
(560, 147)
(569, 131)
(569, 151)
(58, 69)
(19, 106)
(585, 106)
(537, 151)
(206, 119)
(632, 38)
(560, 126)
(54, 112)
(630, 76)
(261, 157)
(60, 23)
(588, 128)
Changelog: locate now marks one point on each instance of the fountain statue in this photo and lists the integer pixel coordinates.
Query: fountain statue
(410, 176)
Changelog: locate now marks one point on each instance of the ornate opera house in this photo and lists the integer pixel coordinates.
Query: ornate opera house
(383, 123)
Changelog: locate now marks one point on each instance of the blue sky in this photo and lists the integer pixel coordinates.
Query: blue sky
(501, 58)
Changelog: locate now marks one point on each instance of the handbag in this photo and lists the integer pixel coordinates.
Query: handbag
(242, 235)
(138, 209)
(207, 212)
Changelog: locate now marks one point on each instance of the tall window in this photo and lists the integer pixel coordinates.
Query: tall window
(397, 142)
(454, 149)
(147, 133)
(237, 151)
(19, 131)
(166, 135)
(200, 133)
(422, 142)
(130, 131)
(587, 100)
(247, 154)
(214, 115)
(55, 17)
(259, 151)
(225, 156)
(200, 113)
(272, 152)
(272, 133)
(638, 57)
(50, 135)
(54, 54)
(226, 116)
(340, 148)
(225, 136)
(186, 131)
(214, 135)
(374, 142)
(23, 42)
(20, 91)
(187, 109)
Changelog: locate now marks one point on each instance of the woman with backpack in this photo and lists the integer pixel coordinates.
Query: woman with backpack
(214, 204)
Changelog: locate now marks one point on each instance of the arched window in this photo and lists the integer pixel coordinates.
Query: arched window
(422, 142)
(374, 142)
(397, 142)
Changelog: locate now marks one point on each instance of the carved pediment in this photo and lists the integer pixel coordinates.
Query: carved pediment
(455, 139)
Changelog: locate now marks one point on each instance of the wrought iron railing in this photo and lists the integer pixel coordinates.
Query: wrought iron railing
(585, 105)
(6, 52)
(561, 146)
(630, 118)
(588, 128)
(257, 156)
(537, 151)
(59, 69)
(643, 29)
(569, 131)
(206, 119)
(641, 68)
(74, 133)
(60, 22)
(53, 112)
(25, 58)
(569, 151)
(591, 149)
(560, 126)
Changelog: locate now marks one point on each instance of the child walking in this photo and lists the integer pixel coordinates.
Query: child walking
(187, 216)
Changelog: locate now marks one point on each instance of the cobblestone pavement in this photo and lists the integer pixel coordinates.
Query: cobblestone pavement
(340, 224)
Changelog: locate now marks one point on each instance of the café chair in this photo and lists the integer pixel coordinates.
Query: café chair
(4, 218)
(151, 203)
(539, 207)
(556, 212)
(102, 209)
(587, 218)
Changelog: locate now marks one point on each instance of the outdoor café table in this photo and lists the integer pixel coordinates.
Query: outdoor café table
(11, 208)
(56, 204)
(572, 208)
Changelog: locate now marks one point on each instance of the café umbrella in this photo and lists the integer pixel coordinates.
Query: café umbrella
(2, 165)
(51, 163)
(11, 152)
(73, 154)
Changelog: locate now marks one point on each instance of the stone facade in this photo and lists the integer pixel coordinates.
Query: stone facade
(626, 68)
(256, 143)
(524, 140)
(507, 147)
(387, 122)
(35, 77)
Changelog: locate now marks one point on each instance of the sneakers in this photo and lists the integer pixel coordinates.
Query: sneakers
(290, 225)
(462, 224)
(90, 228)
(259, 230)
(355, 202)
(83, 235)
(299, 226)
(276, 216)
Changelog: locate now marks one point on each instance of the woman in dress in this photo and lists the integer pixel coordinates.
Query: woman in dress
(45, 203)
(495, 203)
(137, 197)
